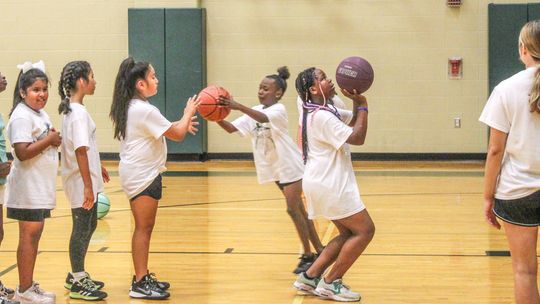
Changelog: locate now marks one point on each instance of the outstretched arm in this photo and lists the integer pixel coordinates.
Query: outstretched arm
(227, 126)
(187, 123)
(256, 115)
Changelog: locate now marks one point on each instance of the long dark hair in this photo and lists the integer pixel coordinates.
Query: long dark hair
(72, 72)
(281, 78)
(124, 90)
(25, 80)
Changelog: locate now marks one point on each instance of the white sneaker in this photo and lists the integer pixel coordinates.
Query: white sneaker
(336, 291)
(35, 295)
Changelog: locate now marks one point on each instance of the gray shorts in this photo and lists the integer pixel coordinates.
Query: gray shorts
(523, 211)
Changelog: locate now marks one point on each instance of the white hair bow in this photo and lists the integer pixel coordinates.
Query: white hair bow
(25, 67)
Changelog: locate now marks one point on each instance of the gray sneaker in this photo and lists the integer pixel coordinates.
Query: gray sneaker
(336, 291)
(304, 284)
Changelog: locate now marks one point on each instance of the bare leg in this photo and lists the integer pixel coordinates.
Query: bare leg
(522, 242)
(361, 229)
(29, 236)
(144, 209)
(295, 209)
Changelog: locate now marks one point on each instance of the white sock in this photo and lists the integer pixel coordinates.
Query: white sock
(77, 276)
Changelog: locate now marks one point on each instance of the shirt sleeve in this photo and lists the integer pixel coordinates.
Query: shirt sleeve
(79, 133)
(243, 125)
(346, 115)
(330, 129)
(155, 123)
(277, 116)
(495, 113)
(20, 131)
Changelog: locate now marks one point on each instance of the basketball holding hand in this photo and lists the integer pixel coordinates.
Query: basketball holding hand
(190, 109)
(210, 107)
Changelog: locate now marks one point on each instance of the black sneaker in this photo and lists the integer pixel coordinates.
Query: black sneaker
(305, 262)
(147, 288)
(69, 281)
(160, 284)
(5, 292)
(87, 290)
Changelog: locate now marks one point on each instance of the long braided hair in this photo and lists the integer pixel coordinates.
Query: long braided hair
(25, 80)
(305, 80)
(71, 73)
(124, 90)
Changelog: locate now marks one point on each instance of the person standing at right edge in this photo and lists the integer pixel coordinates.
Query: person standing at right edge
(512, 172)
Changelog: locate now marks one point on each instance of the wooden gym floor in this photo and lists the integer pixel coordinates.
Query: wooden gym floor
(222, 238)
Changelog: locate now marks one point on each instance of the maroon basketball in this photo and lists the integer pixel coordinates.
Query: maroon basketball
(209, 108)
(354, 73)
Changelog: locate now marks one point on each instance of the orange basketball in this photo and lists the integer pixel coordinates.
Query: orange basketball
(209, 108)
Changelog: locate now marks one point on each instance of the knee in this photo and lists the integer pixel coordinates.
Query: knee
(146, 228)
(370, 231)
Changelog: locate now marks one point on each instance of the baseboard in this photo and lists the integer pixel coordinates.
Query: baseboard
(355, 156)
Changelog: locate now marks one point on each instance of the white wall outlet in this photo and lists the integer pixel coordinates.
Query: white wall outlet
(457, 122)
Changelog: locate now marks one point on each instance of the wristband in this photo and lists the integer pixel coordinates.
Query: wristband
(358, 109)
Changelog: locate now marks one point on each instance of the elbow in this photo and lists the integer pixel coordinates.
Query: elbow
(357, 140)
(494, 151)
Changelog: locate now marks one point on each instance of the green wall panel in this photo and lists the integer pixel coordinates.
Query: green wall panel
(146, 41)
(174, 41)
(185, 53)
(505, 22)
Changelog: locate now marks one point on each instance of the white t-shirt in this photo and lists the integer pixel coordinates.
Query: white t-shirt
(329, 182)
(276, 156)
(79, 130)
(336, 100)
(31, 183)
(507, 110)
(143, 151)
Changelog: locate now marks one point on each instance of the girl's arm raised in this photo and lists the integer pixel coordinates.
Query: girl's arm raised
(256, 115)
(25, 150)
(360, 118)
(187, 123)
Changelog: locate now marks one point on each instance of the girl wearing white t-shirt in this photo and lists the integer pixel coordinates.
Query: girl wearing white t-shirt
(142, 130)
(82, 174)
(31, 185)
(277, 159)
(512, 173)
(329, 182)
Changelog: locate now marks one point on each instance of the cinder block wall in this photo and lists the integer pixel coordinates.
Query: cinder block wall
(412, 102)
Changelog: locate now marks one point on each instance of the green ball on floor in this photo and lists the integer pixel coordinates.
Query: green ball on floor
(103, 205)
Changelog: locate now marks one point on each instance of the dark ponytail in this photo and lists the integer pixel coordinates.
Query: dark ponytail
(72, 72)
(25, 80)
(124, 90)
(281, 78)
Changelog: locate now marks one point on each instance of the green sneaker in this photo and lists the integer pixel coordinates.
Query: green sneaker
(304, 284)
(336, 291)
(86, 289)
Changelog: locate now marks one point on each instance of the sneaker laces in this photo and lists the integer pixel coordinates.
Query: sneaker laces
(3, 291)
(152, 277)
(38, 290)
(88, 284)
(150, 281)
